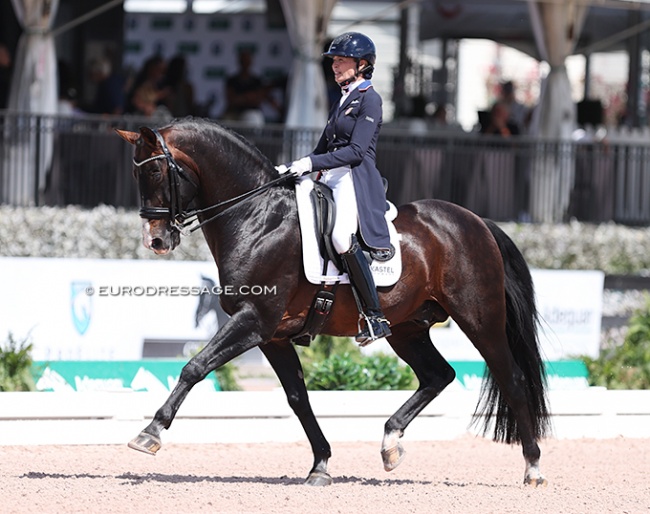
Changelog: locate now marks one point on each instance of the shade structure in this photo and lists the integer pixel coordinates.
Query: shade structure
(34, 90)
(307, 25)
(556, 27)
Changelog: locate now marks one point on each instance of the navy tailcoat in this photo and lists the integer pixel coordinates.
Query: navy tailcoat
(350, 139)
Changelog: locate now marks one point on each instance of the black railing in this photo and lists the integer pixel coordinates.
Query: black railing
(49, 160)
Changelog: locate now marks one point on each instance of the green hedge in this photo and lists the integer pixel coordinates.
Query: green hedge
(107, 232)
(626, 366)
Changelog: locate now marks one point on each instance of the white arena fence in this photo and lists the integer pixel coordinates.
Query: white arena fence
(264, 416)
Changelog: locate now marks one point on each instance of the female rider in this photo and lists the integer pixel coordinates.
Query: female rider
(345, 160)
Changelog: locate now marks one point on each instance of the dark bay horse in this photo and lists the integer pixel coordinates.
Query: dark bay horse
(455, 265)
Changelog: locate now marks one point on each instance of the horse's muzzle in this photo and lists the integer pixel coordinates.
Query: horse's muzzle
(159, 237)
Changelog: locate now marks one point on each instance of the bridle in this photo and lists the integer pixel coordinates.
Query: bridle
(180, 219)
(175, 173)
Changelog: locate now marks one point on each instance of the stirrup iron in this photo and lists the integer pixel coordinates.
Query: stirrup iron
(368, 335)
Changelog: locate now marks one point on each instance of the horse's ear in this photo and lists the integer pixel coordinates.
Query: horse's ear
(129, 137)
(149, 136)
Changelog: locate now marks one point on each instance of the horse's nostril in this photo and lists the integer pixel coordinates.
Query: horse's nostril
(156, 243)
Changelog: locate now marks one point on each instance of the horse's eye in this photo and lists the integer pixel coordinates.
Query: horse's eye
(154, 171)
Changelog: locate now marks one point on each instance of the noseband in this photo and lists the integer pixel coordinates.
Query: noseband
(180, 219)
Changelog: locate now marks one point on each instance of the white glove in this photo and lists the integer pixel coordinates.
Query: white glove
(282, 169)
(301, 166)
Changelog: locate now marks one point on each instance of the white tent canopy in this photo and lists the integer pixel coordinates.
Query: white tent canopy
(34, 84)
(307, 25)
(556, 27)
(34, 89)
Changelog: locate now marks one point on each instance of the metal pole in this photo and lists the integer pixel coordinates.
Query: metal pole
(85, 17)
(37, 160)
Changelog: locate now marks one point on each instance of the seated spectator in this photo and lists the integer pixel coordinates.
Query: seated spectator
(180, 96)
(146, 95)
(498, 122)
(111, 88)
(519, 114)
(68, 92)
(245, 92)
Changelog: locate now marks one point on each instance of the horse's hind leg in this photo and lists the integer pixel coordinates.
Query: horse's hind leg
(285, 363)
(511, 382)
(412, 343)
(509, 399)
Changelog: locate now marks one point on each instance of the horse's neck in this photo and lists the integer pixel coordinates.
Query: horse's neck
(241, 169)
(236, 235)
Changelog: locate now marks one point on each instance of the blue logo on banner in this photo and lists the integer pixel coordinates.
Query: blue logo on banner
(81, 304)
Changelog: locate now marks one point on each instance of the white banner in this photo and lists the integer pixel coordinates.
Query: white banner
(570, 305)
(77, 309)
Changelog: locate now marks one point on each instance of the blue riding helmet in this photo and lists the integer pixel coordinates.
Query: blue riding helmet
(357, 46)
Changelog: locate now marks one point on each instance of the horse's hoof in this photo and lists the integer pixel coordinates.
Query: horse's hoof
(318, 478)
(393, 457)
(536, 482)
(146, 443)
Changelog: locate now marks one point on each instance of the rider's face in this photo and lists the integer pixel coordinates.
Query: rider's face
(344, 68)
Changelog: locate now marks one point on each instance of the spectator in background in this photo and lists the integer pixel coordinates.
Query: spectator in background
(5, 75)
(110, 95)
(519, 113)
(146, 95)
(493, 186)
(245, 92)
(498, 122)
(439, 117)
(68, 92)
(180, 92)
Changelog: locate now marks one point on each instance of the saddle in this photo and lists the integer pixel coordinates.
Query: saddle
(324, 207)
(322, 199)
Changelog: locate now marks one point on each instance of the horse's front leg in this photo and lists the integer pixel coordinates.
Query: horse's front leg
(242, 332)
(284, 360)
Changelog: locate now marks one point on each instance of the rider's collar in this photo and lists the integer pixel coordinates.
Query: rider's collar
(350, 85)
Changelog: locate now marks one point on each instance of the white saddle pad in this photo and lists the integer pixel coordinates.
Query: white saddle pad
(385, 273)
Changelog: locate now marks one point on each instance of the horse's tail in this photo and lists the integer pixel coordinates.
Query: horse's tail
(521, 329)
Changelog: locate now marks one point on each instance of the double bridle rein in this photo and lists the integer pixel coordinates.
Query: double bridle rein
(179, 218)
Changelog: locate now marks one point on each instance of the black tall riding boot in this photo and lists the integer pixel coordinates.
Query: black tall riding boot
(363, 283)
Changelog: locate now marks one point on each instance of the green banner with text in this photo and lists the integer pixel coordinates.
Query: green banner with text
(141, 375)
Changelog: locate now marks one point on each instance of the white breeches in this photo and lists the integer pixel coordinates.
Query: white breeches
(346, 223)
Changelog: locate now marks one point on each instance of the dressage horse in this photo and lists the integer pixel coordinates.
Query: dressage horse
(455, 264)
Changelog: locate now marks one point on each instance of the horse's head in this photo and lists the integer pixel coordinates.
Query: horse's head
(166, 187)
